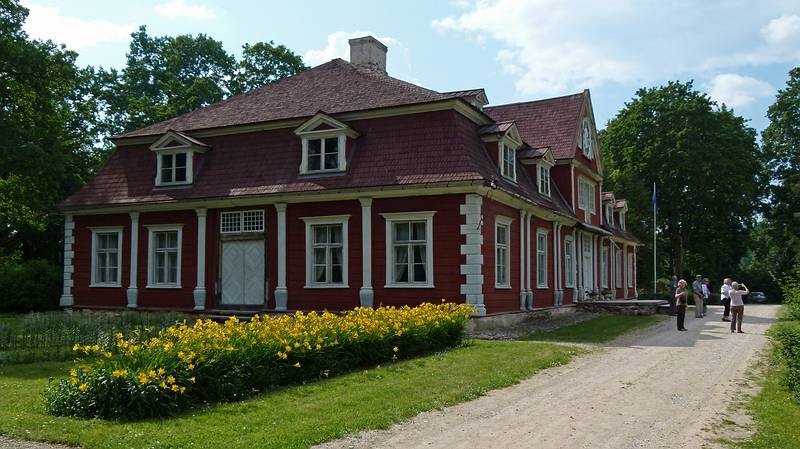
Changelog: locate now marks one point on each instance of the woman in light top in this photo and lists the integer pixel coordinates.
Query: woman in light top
(681, 303)
(737, 305)
(724, 292)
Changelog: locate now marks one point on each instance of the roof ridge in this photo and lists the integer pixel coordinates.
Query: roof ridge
(534, 101)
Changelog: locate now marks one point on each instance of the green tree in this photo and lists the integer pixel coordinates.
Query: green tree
(263, 63)
(707, 169)
(781, 142)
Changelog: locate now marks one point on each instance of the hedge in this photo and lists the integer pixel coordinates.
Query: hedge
(208, 362)
(787, 335)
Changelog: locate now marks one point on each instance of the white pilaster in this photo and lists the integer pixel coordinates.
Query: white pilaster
(579, 263)
(529, 290)
(200, 289)
(66, 299)
(558, 294)
(366, 295)
(523, 260)
(595, 270)
(281, 294)
(472, 268)
(133, 284)
(624, 271)
(633, 271)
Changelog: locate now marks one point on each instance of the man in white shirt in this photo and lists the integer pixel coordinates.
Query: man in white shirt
(725, 296)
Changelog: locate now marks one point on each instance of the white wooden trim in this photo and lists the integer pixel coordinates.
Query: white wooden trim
(133, 284)
(392, 217)
(152, 229)
(93, 275)
(189, 167)
(528, 261)
(501, 220)
(326, 220)
(281, 293)
(200, 290)
(522, 248)
(341, 156)
(366, 294)
(570, 270)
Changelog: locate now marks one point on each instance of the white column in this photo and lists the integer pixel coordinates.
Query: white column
(579, 264)
(624, 271)
(472, 268)
(595, 270)
(281, 294)
(529, 290)
(133, 284)
(66, 299)
(200, 289)
(557, 247)
(523, 260)
(366, 295)
(633, 272)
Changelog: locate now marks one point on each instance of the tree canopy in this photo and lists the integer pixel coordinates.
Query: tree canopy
(708, 172)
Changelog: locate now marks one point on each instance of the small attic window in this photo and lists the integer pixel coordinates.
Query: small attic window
(587, 144)
(175, 158)
(508, 161)
(324, 140)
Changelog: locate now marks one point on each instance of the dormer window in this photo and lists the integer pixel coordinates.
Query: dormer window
(175, 154)
(586, 139)
(508, 161)
(544, 179)
(622, 219)
(324, 144)
(609, 214)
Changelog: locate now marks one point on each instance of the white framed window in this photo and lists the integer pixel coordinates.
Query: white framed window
(569, 261)
(618, 268)
(502, 252)
(174, 168)
(587, 249)
(238, 221)
(604, 266)
(508, 161)
(586, 196)
(609, 214)
(326, 251)
(409, 249)
(630, 270)
(587, 140)
(541, 258)
(106, 257)
(622, 219)
(323, 153)
(164, 256)
(544, 180)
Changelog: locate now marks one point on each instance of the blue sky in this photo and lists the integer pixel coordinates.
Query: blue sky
(739, 51)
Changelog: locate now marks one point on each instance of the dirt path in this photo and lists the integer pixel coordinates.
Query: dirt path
(655, 389)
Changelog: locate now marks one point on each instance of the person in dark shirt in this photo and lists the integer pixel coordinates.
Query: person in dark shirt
(681, 303)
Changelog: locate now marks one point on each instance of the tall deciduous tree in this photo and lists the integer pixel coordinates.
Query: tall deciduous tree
(263, 63)
(708, 171)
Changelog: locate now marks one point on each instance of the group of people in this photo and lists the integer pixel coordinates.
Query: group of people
(731, 293)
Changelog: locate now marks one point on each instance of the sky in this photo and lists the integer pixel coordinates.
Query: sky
(737, 51)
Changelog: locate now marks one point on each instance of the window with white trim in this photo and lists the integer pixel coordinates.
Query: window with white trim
(409, 249)
(587, 248)
(323, 154)
(106, 257)
(326, 251)
(234, 222)
(622, 219)
(586, 196)
(541, 258)
(508, 161)
(609, 214)
(618, 268)
(164, 256)
(544, 180)
(630, 270)
(569, 261)
(174, 168)
(502, 253)
(587, 141)
(604, 266)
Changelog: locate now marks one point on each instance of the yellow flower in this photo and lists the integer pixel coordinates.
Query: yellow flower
(161, 371)
(395, 349)
(142, 378)
(296, 365)
(191, 379)
(107, 355)
(119, 373)
(84, 387)
(162, 385)
(175, 388)
(73, 381)
(170, 380)
(77, 347)
(96, 348)
(151, 373)
(73, 372)
(183, 389)
(191, 366)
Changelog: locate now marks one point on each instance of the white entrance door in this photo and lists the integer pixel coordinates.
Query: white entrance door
(588, 270)
(243, 272)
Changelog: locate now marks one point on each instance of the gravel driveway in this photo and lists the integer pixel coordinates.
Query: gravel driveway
(655, 389)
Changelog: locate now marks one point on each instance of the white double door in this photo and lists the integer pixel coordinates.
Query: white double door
(243, 272)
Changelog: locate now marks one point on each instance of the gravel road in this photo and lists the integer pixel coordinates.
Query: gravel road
(658, 388)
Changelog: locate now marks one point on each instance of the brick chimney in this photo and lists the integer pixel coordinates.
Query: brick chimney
(368, 52)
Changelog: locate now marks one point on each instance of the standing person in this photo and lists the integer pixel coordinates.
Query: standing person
(673, 285)
(706, 294)
(724, 293)
(682, 301)
(697, 291)
(737, 305)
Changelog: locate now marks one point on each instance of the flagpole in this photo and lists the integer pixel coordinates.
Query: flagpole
(655, 269)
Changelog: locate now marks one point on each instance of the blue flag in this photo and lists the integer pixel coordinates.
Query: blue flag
(654, 197)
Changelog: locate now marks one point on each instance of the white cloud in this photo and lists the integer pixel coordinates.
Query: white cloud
(552, 47)
(47, 22)
(782, 29)
(737, 91)
(178, 9)
(338, 47)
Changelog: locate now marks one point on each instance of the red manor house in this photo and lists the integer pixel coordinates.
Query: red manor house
(342, 187)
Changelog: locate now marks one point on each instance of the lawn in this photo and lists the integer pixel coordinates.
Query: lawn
(602, 329)
(292, 417)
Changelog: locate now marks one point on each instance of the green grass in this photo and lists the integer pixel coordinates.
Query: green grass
(597, 330)
(293, 417)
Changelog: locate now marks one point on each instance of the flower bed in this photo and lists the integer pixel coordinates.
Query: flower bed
(210, 362)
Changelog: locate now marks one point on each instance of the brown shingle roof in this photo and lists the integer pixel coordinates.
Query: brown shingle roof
(334, 87)
(545, 123)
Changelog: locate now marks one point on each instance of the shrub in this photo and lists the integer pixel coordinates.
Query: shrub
(29, 285)
(186, 365)
(787, 335)
(791, 294)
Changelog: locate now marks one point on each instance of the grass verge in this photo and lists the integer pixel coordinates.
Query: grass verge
(597, 330)
(292, 417)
